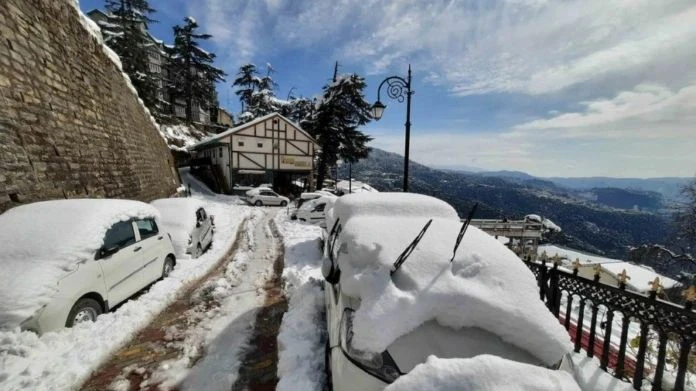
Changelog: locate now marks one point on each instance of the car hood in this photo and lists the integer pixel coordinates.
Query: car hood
(444, 342)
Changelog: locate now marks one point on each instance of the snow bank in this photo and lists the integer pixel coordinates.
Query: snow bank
(640, 276)
(302, 333)
(592, 378)
(486, 286)
(482, 373)
(62, 359)
(178, 215)
(44, 241)
(572, 255)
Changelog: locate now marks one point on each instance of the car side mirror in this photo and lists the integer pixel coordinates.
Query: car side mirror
(331, 272)
(105, 252)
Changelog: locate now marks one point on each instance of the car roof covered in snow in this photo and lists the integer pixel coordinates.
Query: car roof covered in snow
(487, 286)
(42, 241)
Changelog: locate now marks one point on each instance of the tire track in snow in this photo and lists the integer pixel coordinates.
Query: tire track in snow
(208, 324)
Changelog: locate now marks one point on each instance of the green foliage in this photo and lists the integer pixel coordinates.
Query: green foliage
(335, 123)
(192, 75)
(125, 32)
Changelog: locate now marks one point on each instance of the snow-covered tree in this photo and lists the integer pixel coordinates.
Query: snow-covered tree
(335, 120)
(257, 93)
(192, 75)
(125, 31)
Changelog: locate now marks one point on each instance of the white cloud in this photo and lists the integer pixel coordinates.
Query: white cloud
(647, 111)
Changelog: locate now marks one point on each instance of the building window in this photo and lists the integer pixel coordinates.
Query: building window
(260, 145)
(241, 143)
(220, 151)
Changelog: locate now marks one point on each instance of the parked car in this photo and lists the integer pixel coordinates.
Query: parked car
(395, 294)
(188, 222)
(66, 262)
(261, 196)
(314, 211)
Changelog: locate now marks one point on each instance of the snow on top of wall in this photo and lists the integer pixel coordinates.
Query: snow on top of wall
(572, 255)
(641, 276)
(95, 31)
(179, 219)
(43, 241)
(180, 137)
(486, 286)
(482, 373)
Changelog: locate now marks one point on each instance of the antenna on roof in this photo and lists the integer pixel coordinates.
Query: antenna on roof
(409, 249)
(463, 230)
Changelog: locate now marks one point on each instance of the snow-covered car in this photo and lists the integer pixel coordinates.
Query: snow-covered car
(261, 196)
(314, 211)
(66, 262)
(304, 197)
(189, 224)
(395, 294)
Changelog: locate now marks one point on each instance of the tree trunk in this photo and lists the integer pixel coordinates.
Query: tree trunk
(321, 171)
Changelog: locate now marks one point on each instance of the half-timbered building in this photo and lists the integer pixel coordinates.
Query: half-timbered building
(269, 149)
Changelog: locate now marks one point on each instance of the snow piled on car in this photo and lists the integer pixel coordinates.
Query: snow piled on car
(63, 359)
(179, 219)
(44, 241)
(482, 373)
(486, 285)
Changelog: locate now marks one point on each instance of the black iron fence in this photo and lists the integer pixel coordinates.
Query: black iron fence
(661, 336)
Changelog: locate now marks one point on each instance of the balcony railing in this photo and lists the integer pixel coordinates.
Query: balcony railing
(656, 339)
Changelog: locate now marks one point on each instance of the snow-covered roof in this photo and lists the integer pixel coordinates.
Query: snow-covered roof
(483, 373)
(41, 242)
(572, 255)
(178, 215)
(640, 276)
(247, 125)
(486, 286)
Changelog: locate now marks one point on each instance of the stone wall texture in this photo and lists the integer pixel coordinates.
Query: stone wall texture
(69, 124)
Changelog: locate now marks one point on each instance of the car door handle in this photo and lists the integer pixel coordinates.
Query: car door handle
(137, 249)
(160, 238)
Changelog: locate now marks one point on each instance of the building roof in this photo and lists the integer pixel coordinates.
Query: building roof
(246, 125)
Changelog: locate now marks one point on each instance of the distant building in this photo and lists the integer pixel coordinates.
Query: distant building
(224, 117)
(157, 58)
(269, 149)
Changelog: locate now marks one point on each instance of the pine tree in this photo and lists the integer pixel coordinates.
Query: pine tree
(335, 120)
(125, 32)
(257, 94)
(192, 75)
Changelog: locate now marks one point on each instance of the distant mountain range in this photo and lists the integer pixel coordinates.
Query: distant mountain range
(602, 220)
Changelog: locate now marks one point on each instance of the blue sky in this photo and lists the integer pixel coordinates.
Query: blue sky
(552, 88)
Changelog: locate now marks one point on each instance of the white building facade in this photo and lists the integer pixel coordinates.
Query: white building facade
(269, 149)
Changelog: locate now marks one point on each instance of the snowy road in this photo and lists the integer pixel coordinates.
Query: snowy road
(200, 341)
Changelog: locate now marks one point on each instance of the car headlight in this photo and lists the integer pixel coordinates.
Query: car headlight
(380, 365)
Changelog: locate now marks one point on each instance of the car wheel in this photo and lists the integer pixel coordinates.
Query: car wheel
(85, 310)
(283, 203)
(258, 203)
(168, 267)
(327, 367)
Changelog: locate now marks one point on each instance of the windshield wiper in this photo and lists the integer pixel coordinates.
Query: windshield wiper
(409, 249)
(463, 230)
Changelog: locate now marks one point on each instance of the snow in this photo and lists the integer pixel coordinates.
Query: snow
(178, 215)
(180, 137)
(63, 359)
(95, 32)
(355, 187)
(482, 373)
(44, 241)
(550, 225)
(590, 377)
(486, 286)
(302, 335)
(641, 276)
(190, 19)
(222, 331)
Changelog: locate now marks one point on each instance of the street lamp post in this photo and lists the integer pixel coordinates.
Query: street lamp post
(397, 88)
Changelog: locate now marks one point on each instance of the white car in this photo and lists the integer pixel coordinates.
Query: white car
(314, 211)
(393, 296)
(66, 262)
(188, 222)
(261, 196)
